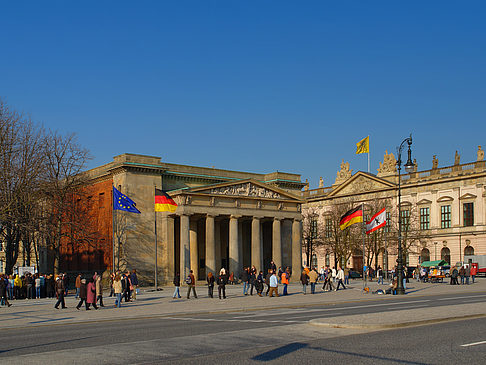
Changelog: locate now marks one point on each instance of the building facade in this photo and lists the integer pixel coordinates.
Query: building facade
(224, 218)
(447, 206)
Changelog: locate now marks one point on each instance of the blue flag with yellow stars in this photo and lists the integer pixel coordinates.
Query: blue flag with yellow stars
(123, 202)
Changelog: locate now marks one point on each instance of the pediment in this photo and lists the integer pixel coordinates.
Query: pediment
(424, 202)
(361, 182)
(444, 199)
(468, 196)
(244, 188)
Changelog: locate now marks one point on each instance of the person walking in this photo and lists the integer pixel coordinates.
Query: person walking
(454, 276)
(117, 290)
(128, 287)
(246, 280)
(467, 273)
(304, 279)
(273, 285)
(252, 279)
(134, 281)
(379, 273)
(83, 295)
(177, 284)
(60, 291)
(313, 275)
(191, 283)
(37, 282)
(3, 290)
(285, 280)
(222, 281)
(462, 272)
(91, 294)
(346, 276)
(65, 279)
(474, 272)
(99, 290)
(78, 285)
(210, 280)
(259, 283)
(340, 279)
(267, 280)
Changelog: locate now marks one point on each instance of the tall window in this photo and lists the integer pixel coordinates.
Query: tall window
(468, 214)
(388, 222)
(424, 218)
(445, 216)
(313, 227)
(328, 228)
(405, 219)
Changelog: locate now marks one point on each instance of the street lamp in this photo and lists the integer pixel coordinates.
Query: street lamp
(409, 166)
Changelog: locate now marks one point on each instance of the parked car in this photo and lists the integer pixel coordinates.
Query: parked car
(355, 274)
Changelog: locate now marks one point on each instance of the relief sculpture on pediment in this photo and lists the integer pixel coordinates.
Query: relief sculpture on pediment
(388, 166)
(246, 189)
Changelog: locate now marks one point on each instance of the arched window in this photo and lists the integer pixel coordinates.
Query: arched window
(424, 255)
(314, 260)
(445, 254)
(469, 250)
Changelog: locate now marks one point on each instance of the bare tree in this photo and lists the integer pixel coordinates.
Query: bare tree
(311, 232)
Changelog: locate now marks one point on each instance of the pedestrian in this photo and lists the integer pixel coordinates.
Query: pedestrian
(222, 281)
(3, 290)
(91, 294)
(83, 295)
(467, 273)
(37, 283)
(454, 276)
(252, 279)
(273, 267)
(128, 286)
(210, 280)
(50, 286)
(112, 279)
(267, 280)
(474, 272)
(246, 280)
(65, 279)
(77, 284)
(285, 280)
(340, 279)
(346, 276)
(191, 283)
(117, 290)
(60, 291)
(273, 285)
(304, 279)
(134, 280)
(177, 284)
(99, 290)
(462, 272)
(259, 283)
(313, 275)
(379, 273)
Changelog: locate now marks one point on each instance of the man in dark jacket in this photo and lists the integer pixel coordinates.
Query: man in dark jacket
(134, 280)
(267, 280)
(191, 285)
(222, 281)
(246, 280)
(60, 291)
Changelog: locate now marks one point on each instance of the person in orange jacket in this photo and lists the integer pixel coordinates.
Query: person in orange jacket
(285, 280)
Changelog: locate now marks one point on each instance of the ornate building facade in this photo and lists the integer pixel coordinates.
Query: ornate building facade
(447, 204)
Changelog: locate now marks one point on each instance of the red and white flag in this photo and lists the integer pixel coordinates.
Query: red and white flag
(377, 221)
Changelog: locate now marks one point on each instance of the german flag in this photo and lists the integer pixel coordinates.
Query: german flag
(163, 202)
(351, 217)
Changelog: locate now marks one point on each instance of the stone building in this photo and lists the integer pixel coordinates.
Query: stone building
(448, 204)
(224, 218)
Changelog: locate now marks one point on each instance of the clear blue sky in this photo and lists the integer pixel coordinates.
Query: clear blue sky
(252, 85)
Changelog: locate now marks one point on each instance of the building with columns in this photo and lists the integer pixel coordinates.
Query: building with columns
(224, 218)
(447, 204)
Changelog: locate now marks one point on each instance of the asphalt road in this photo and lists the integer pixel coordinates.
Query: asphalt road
(269, 335)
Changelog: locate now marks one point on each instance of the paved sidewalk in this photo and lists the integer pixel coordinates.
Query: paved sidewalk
(25, 313)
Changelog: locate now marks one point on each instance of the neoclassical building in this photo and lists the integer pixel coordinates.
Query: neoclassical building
(448, 203)
(224, 218)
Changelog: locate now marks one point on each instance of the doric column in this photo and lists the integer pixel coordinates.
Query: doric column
(256, 247)
(210, 246)
(234, 256)
(168, 236)
(217, 244)
(296, 250)
(193, 252)
(184, 258)
(277, 243)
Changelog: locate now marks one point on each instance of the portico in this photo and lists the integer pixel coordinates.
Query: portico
(233, 225)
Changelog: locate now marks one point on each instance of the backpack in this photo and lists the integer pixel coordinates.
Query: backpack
(188, 280)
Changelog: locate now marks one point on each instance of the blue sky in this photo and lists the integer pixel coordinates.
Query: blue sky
(252, 85)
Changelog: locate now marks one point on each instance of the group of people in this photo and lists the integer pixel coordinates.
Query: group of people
(332, 279)
(28, 286)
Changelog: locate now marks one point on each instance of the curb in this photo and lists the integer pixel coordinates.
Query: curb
(316, 322)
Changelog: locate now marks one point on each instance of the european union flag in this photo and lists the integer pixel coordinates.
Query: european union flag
(123, 202)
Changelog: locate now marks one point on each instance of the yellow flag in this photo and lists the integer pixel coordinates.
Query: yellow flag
(363, 146)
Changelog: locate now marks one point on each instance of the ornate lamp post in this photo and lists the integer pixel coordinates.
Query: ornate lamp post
(408, 168)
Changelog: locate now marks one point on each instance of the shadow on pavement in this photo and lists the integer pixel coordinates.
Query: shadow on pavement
(280, 351)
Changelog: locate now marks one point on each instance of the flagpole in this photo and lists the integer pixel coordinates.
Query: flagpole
(363, 233)
(155, 226)
(368, 154)
(113, 228)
